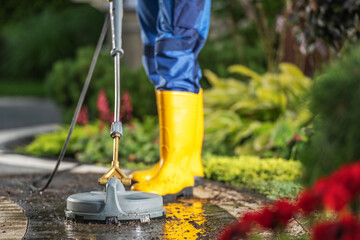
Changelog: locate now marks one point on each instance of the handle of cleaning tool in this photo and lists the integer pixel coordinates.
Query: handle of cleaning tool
(116, 16)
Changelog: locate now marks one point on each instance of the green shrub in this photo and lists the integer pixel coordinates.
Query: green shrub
(50, 144)
(32, 45)
(66, 79)
(262, 116)
(89, 144)
(139, 144)
(271, 177)
(335, 100)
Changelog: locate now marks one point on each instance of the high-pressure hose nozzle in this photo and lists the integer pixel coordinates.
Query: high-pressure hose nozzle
(116, 15)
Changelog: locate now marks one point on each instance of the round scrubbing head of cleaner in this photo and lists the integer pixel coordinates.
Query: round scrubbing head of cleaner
(113, 205)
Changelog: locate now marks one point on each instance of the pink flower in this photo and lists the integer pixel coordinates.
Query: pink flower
(83, 117)
(126, 108)
(103, 107)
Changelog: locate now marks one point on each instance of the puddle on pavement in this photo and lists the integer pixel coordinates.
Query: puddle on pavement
(185, 218)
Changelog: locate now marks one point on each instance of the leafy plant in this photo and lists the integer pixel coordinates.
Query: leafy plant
(264, 115)
(139, 144)
(335, 101)
(50, 144)
(272, 177)
(92, 143)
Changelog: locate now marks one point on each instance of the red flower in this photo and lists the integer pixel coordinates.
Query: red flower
(348, 228)
(103, 107)
(126, 108)
(277, 216)
(320, 185)
(336, 197)
(334, 192)
(271, 217)
(349, 176)
(297, 138)
(340, 188)
(249, 219)
(83, 117)
(233, 231)
(309, 201)
(284, 211)
(267, 219)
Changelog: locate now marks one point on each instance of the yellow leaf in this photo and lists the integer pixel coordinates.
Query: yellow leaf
(244, 71)
(273, 96)
(213, 79)
(291, 69)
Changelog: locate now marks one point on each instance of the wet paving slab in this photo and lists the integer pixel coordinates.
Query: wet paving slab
(185, 218)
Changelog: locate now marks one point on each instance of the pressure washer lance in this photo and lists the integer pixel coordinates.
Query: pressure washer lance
(116, 15)
(115, 204)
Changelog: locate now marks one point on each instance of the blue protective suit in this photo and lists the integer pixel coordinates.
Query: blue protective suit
(173, 33)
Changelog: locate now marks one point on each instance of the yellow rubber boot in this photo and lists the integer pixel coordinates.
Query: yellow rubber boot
(196, 167)
(146, 175)
(177, 120)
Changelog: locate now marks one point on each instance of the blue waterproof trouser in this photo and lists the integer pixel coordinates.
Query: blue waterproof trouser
(173, 33)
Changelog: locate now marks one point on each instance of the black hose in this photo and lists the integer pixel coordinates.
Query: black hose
(78, 107)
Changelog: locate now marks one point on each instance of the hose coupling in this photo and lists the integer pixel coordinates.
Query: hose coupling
(115, 51)
(116, 129)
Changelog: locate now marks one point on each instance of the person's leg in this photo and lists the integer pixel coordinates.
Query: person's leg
(182, 30)
(148, 14)
(148, 11)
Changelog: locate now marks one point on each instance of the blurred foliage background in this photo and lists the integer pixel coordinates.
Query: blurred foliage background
(336, 133)
(265, 63)
(33, 38)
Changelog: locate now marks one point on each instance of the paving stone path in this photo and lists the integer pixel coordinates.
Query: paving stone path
(13, 221)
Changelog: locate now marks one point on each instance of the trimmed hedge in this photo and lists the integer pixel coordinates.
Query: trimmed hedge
(273, 177)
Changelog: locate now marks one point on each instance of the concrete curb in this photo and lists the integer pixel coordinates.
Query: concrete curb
(18, 133)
